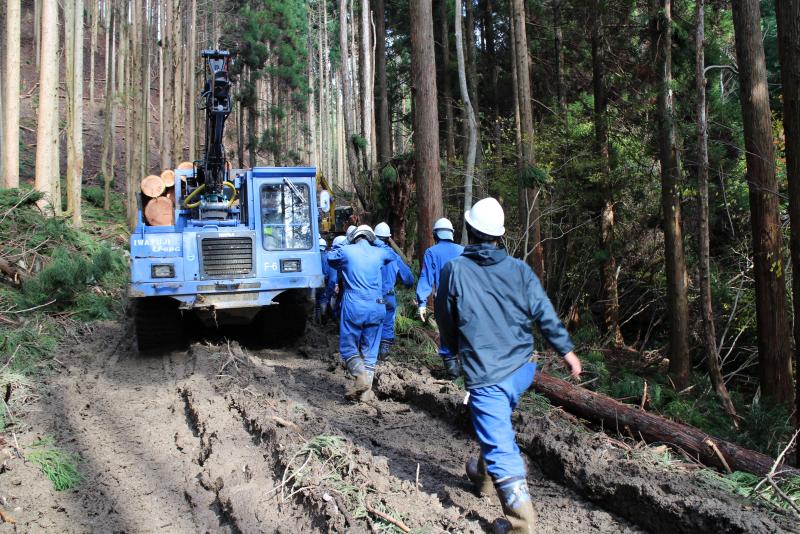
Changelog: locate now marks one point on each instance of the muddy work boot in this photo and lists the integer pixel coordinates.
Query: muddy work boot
(386, 349)
(517, 507)
(479, 476)
(355, 366)
(368, 395)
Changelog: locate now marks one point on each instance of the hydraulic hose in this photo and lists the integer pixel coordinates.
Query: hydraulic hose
(191, 196)
(233, 188)
(193, 205)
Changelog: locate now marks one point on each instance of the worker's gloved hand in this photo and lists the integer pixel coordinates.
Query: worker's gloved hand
(423, 313)
(452, 365)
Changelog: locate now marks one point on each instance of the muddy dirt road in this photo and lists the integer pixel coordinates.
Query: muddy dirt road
(223, 439)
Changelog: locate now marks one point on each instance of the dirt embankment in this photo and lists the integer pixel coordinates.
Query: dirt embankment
(221, 439)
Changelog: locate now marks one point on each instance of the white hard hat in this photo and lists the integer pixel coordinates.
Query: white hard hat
(349, 233)
(443, 224)
(487, 217)
(364, 230)
(443, 228)
(323, 243)
(383, 230)
(338, 240)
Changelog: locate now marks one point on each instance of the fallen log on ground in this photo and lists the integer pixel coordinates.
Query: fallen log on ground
(15, 275)
(652, 428)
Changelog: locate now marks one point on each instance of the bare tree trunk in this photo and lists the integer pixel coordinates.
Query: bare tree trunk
(426, 123)
(47, 171)
(190, 94)
(37, 31)
(109, 123)
(788, 16)
(529, 193)
(367, 96)
(178, 81)
(137, 118)
(706, 307)
(11, 80)
(347, 100)
(494, 71)
(167, 49)
(608, 268)
(559, 55)
(775, 363)
(472, 142)
(515, 91)
(384, 122)
(75, 155)
(447, 93)
(93, 47)
(677, 291)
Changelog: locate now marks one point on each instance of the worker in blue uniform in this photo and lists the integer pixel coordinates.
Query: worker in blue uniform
(322, 296)
(389, 273)
(363, 307)
(332, 289)
(435, 258)
(486, 305)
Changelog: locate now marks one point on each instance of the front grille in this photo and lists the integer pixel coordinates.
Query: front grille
(227, 257)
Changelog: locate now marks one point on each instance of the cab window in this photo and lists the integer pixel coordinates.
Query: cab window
(286, 216)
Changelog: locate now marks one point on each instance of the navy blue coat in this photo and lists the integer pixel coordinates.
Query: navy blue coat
(486, 305)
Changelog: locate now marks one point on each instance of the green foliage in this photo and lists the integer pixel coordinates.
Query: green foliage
(23, 347)
(64, 283)
(750, 486)
(389, 174)
(93, 195)
(359, 141)
(83, 277)
(59, 466)
(533, 176)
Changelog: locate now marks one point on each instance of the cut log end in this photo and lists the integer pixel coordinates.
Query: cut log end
(159, 212)
(186, 166)
(168, 176)
(152, 186)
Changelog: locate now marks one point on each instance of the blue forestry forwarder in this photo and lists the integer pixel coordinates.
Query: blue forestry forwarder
(243, 245)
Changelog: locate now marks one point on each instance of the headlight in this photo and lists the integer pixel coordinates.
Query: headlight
(290, 266)
(165, 270)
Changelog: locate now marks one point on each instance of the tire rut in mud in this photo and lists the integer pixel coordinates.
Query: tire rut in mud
(406, 439)
(238, 472)
(653, 497)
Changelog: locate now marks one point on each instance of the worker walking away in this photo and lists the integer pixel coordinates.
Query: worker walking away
(389, 273)
(363, 307)
(322, 297)
(435, 258)
(333, 288)
(486, 306)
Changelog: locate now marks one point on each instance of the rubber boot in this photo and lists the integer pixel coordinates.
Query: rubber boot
(355, 366)
(368, 395)
(517, 507)
(386, 349)
(479, 476)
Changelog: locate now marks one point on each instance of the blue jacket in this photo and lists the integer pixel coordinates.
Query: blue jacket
(391, 270)
(432, 263)
(361, 264)
(486, 306)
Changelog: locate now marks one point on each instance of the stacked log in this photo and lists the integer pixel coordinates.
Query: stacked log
(158, 194)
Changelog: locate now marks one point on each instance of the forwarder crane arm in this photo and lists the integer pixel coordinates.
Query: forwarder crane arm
(216, 97)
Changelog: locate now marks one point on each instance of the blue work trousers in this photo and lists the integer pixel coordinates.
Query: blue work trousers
(360, 326)
(387, 333)
(490, 410)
